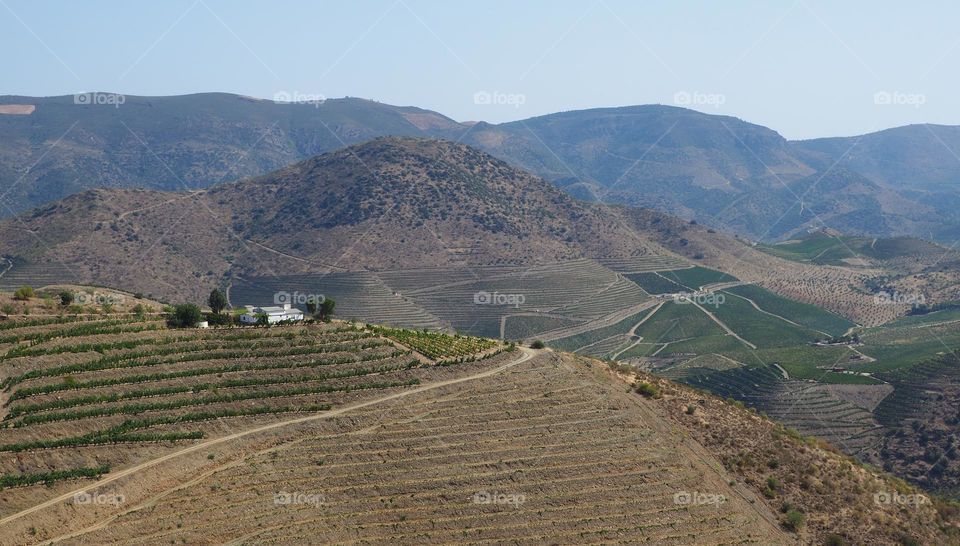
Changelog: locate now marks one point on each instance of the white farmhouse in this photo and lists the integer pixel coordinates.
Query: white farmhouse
(274, 314)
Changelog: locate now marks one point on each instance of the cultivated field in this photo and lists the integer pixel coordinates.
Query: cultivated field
(92, 395)
(544, 461)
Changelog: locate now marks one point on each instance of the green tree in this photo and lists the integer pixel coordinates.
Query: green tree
(326, 308)
(217, 301)
(312, 305)
(23, 293)
(186, 315)
(66, 298)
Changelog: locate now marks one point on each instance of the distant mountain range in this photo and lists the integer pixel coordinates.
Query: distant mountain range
(717, 170)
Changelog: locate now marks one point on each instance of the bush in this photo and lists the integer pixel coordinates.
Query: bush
(23, 293)
(185, 315)
(220, 319)
(647, 390)
(794, 519)
(66, 298)
(691, 409)
(537, 345)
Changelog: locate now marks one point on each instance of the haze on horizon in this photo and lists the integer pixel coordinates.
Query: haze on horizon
(806, 68)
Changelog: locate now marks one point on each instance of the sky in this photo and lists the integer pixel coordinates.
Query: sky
(804, 68)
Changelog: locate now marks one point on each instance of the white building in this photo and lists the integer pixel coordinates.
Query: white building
(274, 314)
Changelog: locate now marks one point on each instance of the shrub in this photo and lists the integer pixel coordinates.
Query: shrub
(691, 409)
(7, 309)
(66, 298)
(23, 293)
(794, 519)
(185, 315)
(537, 345)
(220, 319)
(647, 390)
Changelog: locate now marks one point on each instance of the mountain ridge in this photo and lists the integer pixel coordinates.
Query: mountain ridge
(719, 170)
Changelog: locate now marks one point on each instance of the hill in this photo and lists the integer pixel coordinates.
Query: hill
(388, 204)
(120, 429)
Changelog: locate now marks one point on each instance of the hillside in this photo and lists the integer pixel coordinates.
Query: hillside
(119, 429)
(387, 204)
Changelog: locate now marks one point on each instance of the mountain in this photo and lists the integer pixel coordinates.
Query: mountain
(59, 148)
(718, 170)
(392, 203)
(917, 163)
(715, 169)
(919, 158)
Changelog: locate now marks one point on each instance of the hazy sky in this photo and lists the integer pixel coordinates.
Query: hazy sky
(805, 68)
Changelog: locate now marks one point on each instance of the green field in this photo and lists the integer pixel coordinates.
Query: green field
(822, 249)
(759, 328)
(811, 316)
(674, 322)
(695, 277)
(653, 283)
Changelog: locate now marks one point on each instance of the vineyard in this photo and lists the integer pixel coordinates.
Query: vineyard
(544, 460)
(87, 394)
(435, 345)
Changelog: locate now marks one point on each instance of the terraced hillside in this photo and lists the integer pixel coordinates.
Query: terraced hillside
(923, 423)
(453, 467)
(122, 430)
(805, 407)
(85, 395)
(359, 295)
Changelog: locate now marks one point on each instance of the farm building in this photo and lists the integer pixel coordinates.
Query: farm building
(274, 314)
